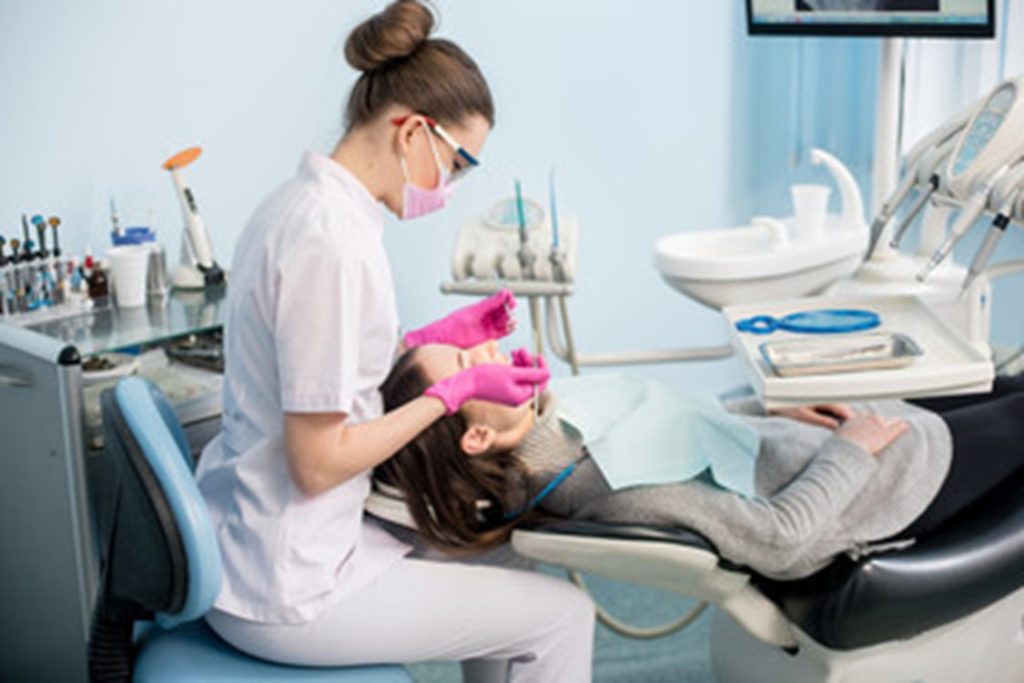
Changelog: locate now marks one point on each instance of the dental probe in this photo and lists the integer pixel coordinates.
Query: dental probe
(968, 215)
(927, 172)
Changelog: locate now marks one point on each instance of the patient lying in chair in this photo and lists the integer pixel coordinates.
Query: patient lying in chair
(782, 493)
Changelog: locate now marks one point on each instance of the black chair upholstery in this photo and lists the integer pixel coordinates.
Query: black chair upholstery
(969, 563)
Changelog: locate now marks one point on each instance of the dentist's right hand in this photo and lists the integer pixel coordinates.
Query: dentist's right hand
(506, 384)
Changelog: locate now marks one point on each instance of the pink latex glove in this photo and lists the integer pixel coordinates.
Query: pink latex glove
(521, 358)
(469, 326)
(506, 384)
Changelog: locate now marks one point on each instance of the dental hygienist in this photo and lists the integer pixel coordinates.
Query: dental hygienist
(311, 332)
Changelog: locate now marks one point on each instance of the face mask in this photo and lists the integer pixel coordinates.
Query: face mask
(417, 201)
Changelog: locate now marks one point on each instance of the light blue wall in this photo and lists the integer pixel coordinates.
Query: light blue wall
(659, 116)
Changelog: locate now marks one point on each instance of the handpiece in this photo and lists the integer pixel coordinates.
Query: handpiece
(972, 209)
(927, 172)
(981, 258)
(1005, 196)
(922, 162)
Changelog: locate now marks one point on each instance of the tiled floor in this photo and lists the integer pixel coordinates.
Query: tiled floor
(679, 658)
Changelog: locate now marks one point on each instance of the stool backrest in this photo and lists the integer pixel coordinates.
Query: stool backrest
(158, 435)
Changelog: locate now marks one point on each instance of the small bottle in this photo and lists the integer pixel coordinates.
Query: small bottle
(99, 286)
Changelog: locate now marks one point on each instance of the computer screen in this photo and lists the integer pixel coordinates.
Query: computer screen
(939, 18)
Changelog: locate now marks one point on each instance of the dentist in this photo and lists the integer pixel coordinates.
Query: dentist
(311, 330)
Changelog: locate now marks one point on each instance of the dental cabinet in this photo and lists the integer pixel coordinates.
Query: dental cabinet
(51, 436)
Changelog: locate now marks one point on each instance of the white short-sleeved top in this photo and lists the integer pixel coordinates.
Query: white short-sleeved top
(311, 326)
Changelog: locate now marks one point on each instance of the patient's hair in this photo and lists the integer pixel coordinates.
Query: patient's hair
(458, 501)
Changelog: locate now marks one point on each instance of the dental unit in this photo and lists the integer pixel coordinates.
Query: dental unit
(847, 630)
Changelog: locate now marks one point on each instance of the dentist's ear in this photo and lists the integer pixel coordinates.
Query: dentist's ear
(478, 439)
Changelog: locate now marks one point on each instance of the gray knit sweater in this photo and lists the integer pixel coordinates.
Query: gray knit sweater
(818, 494)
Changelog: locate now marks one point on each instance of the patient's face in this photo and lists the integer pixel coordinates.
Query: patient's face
(439, 361)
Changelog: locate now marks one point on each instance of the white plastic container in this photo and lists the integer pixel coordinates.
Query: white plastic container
(128, 273)
(810, 207)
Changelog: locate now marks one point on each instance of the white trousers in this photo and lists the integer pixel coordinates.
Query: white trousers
(420, 611)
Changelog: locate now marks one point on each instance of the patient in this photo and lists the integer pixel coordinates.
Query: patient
(824, 480)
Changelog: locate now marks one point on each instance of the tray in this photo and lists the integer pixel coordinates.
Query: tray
(829, 354)
(947, 364)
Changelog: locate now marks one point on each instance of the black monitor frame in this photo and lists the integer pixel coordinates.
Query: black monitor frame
(906, 30)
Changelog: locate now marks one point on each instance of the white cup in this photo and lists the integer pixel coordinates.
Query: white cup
(128, 274)
(810, 207)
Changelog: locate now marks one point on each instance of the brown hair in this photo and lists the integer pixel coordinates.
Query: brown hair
(459, 502)
(401, 64)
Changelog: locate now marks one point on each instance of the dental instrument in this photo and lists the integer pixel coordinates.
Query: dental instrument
(27, 244)
(527, 258)
(928, 176)
(971, 211)
(820, 321)
(527, 261)
(981, 258)
(115, 221)
(922, 162)
(197, 269)
(1004, 198)
(40, 224)
(54, 224)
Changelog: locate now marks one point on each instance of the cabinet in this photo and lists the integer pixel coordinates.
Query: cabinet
(48, 557)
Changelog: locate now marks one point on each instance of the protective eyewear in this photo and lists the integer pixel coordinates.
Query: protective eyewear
(463, 163)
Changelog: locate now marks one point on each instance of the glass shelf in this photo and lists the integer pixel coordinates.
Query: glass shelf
(110, 329)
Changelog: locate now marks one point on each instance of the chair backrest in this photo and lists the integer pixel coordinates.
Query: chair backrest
(159, 437)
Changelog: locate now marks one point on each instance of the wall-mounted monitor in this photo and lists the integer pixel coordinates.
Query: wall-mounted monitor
(935, 18)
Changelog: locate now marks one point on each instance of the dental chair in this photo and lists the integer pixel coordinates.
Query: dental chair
(946, 608)
(159, 558)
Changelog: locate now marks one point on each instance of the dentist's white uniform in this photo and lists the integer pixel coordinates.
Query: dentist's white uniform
(311, 326)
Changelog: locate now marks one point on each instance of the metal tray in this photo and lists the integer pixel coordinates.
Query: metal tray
(821, 355)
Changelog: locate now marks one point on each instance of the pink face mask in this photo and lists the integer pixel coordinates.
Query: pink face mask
(418, 201)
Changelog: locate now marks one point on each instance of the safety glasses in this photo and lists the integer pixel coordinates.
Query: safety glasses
(464, 161)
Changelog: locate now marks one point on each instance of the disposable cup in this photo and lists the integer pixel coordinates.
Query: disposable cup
(128, 272)
(810, 207)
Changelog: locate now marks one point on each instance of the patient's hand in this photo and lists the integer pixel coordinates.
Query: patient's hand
(872, 432)
(828, 415)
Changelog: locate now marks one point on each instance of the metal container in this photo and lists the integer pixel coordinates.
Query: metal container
(156, 272)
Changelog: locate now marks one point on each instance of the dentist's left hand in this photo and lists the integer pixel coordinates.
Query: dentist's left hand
(471, 325)
(506, 384)
(521, 358)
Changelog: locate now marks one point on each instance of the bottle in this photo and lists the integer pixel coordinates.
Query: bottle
(99, 285)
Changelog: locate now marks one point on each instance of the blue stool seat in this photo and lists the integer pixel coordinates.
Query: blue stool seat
(193, 652)
(161, 561)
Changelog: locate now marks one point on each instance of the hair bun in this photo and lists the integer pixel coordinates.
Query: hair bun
(394, 33)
